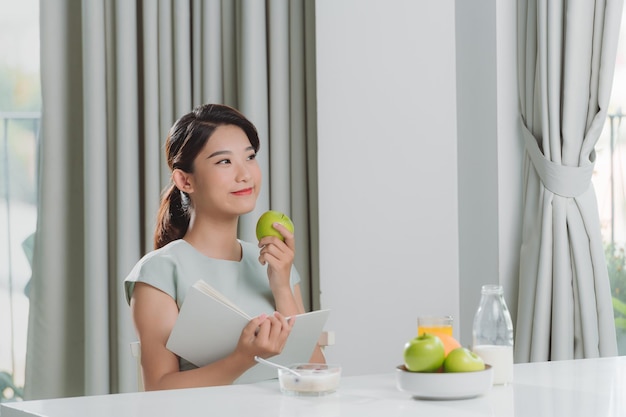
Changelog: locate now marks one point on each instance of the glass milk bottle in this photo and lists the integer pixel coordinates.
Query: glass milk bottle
(493, 333)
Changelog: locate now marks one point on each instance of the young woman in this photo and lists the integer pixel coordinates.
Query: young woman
(211, 153)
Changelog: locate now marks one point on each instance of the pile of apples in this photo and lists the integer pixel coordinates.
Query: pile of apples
(440, 353)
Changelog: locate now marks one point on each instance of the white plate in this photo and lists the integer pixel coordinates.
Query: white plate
(444, 386)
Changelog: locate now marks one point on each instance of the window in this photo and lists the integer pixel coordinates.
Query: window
(20, 105)
(610, 183)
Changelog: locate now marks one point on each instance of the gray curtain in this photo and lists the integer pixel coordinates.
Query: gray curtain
(115, 76)
(566, 57)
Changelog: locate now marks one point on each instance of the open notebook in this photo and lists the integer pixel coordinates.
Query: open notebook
(209, 325)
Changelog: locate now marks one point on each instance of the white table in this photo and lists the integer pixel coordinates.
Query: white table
(585, 388)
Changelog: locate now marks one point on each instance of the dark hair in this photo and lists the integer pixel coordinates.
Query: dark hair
(185, 140)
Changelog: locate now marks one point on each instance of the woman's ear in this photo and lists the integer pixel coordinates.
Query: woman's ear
(182, 180)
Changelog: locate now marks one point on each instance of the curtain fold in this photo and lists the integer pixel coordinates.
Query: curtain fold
(115, 76)
(123, 186)
(566, 60)
(56, 305)
(95, 206)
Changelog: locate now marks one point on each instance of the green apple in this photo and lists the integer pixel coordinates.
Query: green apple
(265, 224)
(424, 353)
(462, 359)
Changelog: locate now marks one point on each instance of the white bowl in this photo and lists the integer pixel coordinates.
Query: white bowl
(444, 385)
(315, 379)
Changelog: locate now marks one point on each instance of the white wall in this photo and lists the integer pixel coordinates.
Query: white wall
(387, 173)
(510, 151)
(477, 144)
(419, 168)
(490, 149)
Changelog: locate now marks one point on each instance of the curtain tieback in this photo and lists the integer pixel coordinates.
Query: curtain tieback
(562, 180)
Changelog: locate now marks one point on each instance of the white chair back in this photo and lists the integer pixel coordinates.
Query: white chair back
(135, 349)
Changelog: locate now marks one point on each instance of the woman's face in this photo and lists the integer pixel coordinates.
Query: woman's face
(226, 177)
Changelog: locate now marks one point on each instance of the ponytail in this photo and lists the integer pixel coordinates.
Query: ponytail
(172, 218)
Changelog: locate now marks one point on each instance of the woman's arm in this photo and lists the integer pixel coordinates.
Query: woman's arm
(154, 314)
(279, 255)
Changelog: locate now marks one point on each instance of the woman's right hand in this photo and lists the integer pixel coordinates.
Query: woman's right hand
(264, 336)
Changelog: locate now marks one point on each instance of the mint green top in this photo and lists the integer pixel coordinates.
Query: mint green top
(178, 265)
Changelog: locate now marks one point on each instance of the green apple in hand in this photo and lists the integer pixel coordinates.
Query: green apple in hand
(264, 226)
(424, 353)
(463, 360)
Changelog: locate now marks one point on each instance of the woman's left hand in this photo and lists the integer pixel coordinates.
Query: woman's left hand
(279, 256)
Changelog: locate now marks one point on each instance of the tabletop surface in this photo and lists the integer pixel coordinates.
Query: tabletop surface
(585, 387)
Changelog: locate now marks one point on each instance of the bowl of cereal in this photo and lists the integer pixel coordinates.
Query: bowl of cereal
(309, 379)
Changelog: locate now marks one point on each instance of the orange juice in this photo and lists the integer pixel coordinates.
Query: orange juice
(434, 324)
(435, 329)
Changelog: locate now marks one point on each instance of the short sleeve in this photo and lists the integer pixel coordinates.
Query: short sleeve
(295, 277)
(155, 269)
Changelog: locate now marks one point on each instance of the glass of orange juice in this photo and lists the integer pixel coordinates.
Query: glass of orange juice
(434, 324)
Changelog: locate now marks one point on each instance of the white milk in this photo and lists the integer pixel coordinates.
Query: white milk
(500, 358)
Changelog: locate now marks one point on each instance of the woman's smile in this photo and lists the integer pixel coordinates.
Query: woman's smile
(245, 191)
